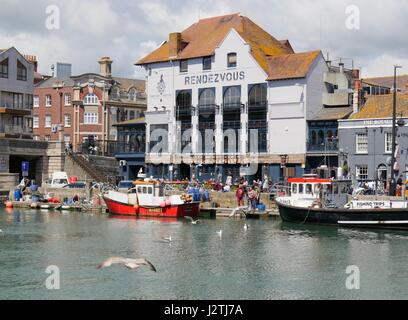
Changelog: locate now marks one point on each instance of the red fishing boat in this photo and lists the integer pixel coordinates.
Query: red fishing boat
(148, 199)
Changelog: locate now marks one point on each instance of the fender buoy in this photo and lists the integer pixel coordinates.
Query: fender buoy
(136, 207)
(163, 205)
(9, 204)
(168, 203)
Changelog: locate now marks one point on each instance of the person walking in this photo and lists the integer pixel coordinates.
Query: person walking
(240, 196)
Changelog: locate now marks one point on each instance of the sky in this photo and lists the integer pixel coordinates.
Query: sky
(368, 34)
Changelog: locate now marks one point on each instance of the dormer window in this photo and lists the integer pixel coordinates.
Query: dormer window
(4, 68)
(232, 60)
(21, 71)
(183, 65)
(207, 63)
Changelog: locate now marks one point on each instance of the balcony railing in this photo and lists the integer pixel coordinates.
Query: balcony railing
(15, 130)
(329, 146)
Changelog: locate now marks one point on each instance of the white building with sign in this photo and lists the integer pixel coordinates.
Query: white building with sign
(225, 97)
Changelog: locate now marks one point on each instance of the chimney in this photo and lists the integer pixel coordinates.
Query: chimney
(356, 96)
(175, 44)
(341, 65)
(105, 66)
(32, 60)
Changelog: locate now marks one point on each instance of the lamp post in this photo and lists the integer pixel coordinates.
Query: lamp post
(393, 186)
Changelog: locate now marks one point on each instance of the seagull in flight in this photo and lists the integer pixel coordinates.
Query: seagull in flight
(132, 264)
(192, 220)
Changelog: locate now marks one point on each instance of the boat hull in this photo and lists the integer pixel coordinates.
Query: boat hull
(178, 211)
(363, 218)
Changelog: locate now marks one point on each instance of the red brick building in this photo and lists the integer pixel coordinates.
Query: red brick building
(77, 109)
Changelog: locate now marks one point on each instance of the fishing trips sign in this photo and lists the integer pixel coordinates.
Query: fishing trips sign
(214, 78)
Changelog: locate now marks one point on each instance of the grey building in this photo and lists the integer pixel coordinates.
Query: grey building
(365, 140)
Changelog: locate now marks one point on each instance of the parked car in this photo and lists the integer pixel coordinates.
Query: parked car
(59, 180)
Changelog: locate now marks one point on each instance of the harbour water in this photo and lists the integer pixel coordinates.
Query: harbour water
(270, 260)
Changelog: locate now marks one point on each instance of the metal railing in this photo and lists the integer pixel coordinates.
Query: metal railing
(329, 146)
(15, 130)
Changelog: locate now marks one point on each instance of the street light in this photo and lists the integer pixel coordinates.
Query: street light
(393, 187)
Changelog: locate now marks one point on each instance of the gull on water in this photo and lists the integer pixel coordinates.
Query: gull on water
(246, 227)
(167, 239)
(219, 233)
(132, 264)
(192, 220)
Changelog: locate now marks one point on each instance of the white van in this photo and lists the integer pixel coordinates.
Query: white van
(59, 180)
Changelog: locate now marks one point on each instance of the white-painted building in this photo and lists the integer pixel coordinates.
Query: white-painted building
(228, 76)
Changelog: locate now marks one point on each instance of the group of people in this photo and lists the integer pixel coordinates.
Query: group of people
(248, 196)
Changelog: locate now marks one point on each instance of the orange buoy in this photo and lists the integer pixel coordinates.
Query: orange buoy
(9, 204)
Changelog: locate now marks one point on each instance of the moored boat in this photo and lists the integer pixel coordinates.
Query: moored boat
(326, 202)
(147, 199)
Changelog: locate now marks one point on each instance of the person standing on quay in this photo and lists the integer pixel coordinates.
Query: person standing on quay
(240, 196)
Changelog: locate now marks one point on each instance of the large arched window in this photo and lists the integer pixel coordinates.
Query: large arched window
(207, 98)
(184, 99)
(206, 121)
(257, 95)
(91, 99)
(232, 96)
(257, 117)
(183, 102)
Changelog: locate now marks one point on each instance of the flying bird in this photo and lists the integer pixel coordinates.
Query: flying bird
(192, 220)
(132, 264)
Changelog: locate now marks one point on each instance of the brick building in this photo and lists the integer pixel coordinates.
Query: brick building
(84, 108)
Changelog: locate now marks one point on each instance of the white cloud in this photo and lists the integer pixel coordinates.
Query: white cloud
(128, 30)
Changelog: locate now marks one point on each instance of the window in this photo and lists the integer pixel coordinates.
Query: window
(36, 122)
(36, 101)
(183, 65)
(90, 118)
(361, 143)
(47, 138)
(294, 188)
(36, 138)
(207, 63)
(362, 172)
(232, 96)
(132, 94)
(4, 68)
(388, 142)
(301, 188)
(48, 101)
(257, 95)
(21, 71)
(232, 60)
(91, 99)
(18, 100)
(309, 189)
(67, 99)
(207, 98)
(67, 120)
(131, 115)
(48, 121)
(67, 140)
